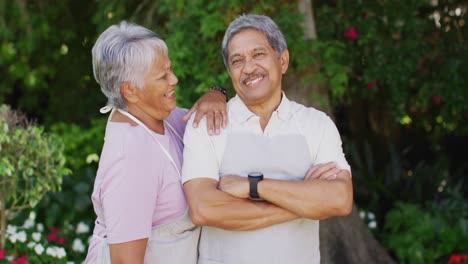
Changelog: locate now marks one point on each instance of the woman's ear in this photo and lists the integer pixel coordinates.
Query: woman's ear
(129, 92)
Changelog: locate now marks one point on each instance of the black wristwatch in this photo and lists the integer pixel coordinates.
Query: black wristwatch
(220, 89)
(254, 178)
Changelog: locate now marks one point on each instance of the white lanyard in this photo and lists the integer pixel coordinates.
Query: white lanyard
(165, 151)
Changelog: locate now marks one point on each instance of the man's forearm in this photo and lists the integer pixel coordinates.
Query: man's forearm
(212, 207)
(314, 199)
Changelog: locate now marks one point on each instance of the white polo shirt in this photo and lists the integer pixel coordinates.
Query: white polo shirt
(295, 139)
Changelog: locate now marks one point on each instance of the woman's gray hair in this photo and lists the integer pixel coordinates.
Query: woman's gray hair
(124, 53)
(258, 22)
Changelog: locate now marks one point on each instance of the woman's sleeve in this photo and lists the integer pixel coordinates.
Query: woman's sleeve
(129, 196)
(175, 119)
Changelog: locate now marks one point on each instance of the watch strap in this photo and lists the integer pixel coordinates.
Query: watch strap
(253, 189)
(221, 90)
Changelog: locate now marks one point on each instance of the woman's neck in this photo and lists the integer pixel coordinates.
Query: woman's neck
(152, 121)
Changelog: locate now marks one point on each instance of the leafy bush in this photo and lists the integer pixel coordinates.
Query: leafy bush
(427, 234)
(31, 164)
(73, 204)
(82, 150)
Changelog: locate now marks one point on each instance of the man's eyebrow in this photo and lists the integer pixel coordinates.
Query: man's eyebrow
(260, 49)
(234, 55)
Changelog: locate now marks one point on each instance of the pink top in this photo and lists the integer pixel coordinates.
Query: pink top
(136, 187)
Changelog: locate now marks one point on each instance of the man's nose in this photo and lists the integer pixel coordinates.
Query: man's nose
(249, 66)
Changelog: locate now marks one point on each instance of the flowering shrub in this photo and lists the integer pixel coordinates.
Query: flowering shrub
(32, 243)
(369, 218)
(427, 234)
(32, 164)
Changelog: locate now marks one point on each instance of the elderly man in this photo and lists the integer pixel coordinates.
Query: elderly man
(260, 187)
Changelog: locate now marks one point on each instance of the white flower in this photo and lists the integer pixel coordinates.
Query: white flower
(70, 262)
(11, 229)
(32, 215)
(40, 227)
(31, 244)
(36, 236)
(82, 228)
(362, 214)
(28, 223)
(78, 245)
(39, 249)
(372, 224)
(13, 238)
(21, 236)
(56, 252)
(51, 251)
(61, 253)
(371, 215)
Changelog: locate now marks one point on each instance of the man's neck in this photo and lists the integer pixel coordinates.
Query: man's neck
(265, 110)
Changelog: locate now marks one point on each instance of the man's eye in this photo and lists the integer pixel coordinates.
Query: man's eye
(260, 54)
(234, 62)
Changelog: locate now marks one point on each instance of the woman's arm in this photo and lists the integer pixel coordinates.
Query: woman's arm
(129, 252)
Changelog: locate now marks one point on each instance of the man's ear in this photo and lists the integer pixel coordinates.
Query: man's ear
(284, 59)
(129, 92)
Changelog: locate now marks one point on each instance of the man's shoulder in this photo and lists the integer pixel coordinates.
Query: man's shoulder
(301, 111)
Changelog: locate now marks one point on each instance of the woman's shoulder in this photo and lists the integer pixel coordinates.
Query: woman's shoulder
(176, 121)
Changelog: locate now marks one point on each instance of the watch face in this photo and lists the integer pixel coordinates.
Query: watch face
(256, 174)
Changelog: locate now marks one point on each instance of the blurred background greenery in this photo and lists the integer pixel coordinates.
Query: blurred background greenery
(392, 74)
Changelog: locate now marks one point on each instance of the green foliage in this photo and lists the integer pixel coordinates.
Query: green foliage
(45, 58)
(32, 164)
(427, 234)
(82, 150)
(73, 204)
(31, 242)
(407, 58)
(397, 90)
(432, 223)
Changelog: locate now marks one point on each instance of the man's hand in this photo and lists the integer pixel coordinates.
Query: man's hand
(213, 105)
(236, 186)
(326, 171)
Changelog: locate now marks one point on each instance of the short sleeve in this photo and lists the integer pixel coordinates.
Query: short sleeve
(200, 160)
(175, 119)
(129, 197)
(330, 146)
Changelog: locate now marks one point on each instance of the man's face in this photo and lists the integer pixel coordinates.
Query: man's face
(255, 68)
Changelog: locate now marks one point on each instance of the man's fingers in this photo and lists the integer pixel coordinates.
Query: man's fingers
(318, 170)
(325, 167)
(190, 113)
(209, 122)
(198, 116)
(217, 122)
(330, 174)
(311, 171)
(224, 116)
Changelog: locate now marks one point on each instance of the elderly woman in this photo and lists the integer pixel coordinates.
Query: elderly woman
(138, 197)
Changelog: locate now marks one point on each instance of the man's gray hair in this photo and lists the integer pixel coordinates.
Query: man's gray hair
(124, 53)
(258, 22)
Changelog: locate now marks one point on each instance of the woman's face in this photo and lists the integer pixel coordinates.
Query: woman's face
(157, 98)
